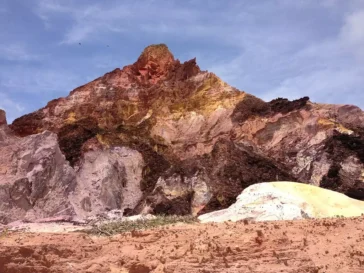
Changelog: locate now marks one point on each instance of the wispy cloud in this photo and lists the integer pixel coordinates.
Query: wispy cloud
(331, 71)
(328, 69)
(352, 32)
(323, 85)
(17, 52)
(268, 47)
(37, 80)
(89, 21)
(45, 9)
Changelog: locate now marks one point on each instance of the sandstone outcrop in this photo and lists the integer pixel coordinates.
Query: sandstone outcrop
(184, 141)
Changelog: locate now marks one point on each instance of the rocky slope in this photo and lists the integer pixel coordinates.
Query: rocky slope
(162, 136)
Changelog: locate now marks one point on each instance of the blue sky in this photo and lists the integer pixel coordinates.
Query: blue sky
(270, 48)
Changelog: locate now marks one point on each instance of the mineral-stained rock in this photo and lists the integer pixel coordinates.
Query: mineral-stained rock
(38, 184)
(198, 141)
(35, 178)
(211, 181)
(179, 194)
(311, 141)
(108, 180)
(286, 201)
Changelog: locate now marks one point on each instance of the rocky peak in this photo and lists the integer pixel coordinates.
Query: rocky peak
(159, 54)
(154, 63)
(2, 117)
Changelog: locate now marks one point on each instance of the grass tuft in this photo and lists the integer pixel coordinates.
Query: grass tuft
(113, 228)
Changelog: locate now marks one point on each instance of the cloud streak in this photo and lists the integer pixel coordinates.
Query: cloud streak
(17, 52)
(352, 32)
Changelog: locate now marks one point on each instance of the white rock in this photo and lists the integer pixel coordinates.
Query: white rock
(286, 201)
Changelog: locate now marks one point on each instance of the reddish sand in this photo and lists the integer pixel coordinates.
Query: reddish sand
(315, 246)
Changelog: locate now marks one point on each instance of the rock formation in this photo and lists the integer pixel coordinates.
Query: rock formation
(37, 182)
(286, 201)
(35, 178)
(108, 180)
(161, 136)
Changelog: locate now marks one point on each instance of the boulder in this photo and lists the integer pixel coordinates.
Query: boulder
(37, 183)
(108, 180)
(286, 201)
(35, 178)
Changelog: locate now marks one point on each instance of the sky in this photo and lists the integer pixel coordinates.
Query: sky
(269, 48)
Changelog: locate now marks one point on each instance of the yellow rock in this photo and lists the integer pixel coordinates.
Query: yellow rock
(71, 118)
(332, 124)
(101, 140)
(324, 203)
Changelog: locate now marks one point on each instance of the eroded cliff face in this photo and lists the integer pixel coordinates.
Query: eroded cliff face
(108, 180)
(321, 144)
(195, 142)
(37, 183)
(35, 178)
